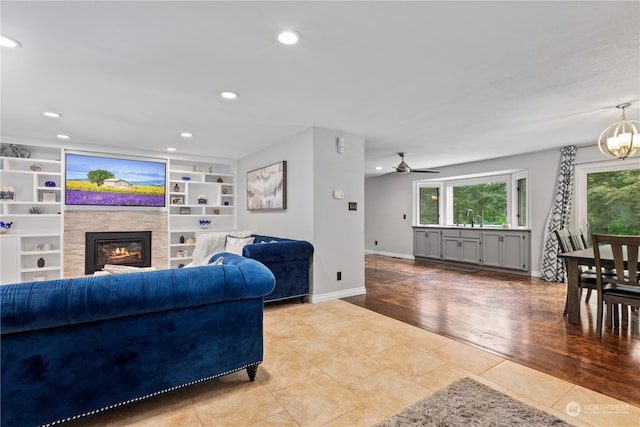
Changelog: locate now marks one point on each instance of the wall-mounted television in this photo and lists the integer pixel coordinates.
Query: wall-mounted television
(101, 180)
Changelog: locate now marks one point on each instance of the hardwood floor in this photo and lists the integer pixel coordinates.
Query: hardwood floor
(517, 317)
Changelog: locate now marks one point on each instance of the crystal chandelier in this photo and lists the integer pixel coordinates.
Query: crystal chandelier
(621, 139)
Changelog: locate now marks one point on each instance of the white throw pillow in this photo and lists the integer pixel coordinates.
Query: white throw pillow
(235, 244)
(240, 233)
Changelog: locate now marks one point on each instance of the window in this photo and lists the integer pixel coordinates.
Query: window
(607, 199)
(487, 202)
(492, 199)
(429, 205)
(520, 186)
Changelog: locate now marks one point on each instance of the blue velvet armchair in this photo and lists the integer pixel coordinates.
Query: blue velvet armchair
(290, 262)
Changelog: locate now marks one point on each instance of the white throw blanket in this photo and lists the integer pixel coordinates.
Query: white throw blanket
(210, 243)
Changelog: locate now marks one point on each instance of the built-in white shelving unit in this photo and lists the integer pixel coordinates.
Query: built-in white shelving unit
(198, 191)
(32, 248)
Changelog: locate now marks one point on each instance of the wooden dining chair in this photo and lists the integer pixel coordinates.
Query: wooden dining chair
(564, 240)
(623, 287)
(587, 279)
(578, 239)
(579, 242)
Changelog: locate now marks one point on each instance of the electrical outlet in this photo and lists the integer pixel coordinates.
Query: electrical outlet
(339, 275)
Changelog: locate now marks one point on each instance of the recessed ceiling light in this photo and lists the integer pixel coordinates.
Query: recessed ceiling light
(9, 42)
(186, 134)
(228, 94)
(289, 37)
(52, 114)
(378, 168)
(63, 136)
(171, 148)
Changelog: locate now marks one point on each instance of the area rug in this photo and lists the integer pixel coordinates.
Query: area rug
(466, 402)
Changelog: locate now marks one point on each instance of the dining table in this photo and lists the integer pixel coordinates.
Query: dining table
(574, 261)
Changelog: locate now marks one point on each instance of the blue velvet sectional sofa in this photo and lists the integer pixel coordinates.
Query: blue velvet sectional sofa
(72, 347)
(289, 260)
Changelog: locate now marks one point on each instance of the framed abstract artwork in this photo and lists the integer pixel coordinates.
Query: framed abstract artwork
(267, 187)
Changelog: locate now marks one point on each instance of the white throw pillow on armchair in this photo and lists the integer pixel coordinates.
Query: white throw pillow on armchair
(235, 244)
(240, 233)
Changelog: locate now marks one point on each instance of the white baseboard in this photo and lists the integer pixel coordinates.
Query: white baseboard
(391, 254)
(537, 274)
(337, 295)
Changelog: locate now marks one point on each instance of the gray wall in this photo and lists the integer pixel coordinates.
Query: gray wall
(338, 232)
(388, 198)
(314, 170)
(297, 220)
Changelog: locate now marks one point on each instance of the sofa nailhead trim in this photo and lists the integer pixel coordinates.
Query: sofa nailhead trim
(115, 405)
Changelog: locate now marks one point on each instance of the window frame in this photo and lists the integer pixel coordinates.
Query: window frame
(449, 186)
(445, 188)
(515, 197)
(581, 170)
(418, 185)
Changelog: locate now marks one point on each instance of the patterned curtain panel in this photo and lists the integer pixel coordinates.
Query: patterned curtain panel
(553, 267)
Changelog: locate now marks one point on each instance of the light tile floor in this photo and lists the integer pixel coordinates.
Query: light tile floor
(337, 364)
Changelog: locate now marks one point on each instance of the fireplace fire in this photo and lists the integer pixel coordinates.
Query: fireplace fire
(131, 252)
(122, 248)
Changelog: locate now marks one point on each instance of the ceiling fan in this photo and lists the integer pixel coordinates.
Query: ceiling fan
(403, 167)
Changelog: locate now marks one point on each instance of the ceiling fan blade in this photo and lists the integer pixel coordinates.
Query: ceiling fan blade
(425, 171)
(403, 168)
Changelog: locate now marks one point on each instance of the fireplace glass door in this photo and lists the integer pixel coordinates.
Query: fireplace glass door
(131, 248)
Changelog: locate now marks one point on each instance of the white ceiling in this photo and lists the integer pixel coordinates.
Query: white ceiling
(447, 82)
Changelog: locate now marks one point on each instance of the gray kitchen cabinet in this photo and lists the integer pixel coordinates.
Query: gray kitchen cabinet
(505, 249)
(427, 243)
(461, 245)
(485, 246)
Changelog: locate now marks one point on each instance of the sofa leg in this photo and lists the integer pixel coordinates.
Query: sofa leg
(302, 299)
(251, 371)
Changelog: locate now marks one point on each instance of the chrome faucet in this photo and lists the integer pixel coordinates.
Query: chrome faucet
(473, 218)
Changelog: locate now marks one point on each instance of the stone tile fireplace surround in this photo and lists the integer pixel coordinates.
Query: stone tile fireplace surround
(77, 223)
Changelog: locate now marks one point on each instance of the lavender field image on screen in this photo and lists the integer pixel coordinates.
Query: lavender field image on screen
(79, 197)
(110, 181)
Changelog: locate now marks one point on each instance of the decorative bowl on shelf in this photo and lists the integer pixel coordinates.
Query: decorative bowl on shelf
(5, 226)
(205, 223)
(49, 184)
(7, 192)
(202, 199)
(186, 178)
